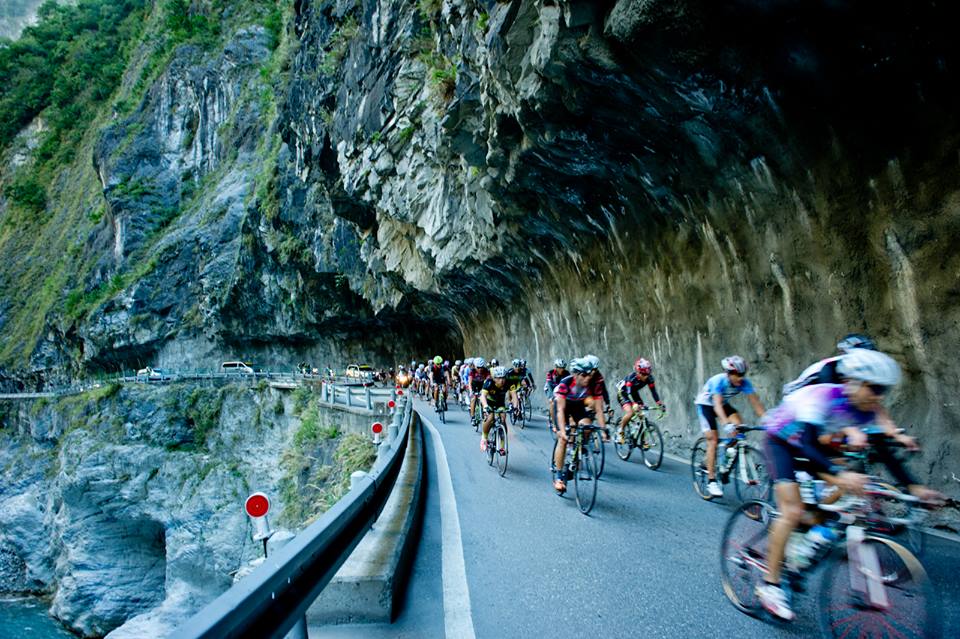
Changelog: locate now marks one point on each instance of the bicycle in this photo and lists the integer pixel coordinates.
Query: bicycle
(516, 412)
(441, 404)
(739, 460)
(580, 465)
(525, 403)
(497, 448)
(870, 586)
(641, 433)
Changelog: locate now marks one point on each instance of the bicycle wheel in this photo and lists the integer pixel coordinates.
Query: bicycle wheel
(527, 409)
(911, 609)
(476, 420)
(743, 552)
(521, 420)
(597, 450)
(491, 445)
(750, 477)
(626, 448)
(651, 445)
(698, 466)
(585, 480)
(501, 443)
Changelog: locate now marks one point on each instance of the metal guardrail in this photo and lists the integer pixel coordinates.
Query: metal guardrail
(274, 598)
(356, 396)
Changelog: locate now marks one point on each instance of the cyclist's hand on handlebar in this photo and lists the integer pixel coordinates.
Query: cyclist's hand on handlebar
(661, 411)
(856, 438)
(851, 482)
(927, 494)
(908, 442)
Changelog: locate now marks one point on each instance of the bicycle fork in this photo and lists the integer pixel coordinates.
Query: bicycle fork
(865, 575)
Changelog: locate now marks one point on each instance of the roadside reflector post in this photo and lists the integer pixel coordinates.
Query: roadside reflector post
(257, 506)
(392, 405)
(356, 477)
(377, 429)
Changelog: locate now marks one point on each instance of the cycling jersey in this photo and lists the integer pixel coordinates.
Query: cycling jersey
(477, 377)
(496, 395)
(628, 390)
(437, 374)
(465, 375)
(720, 384)
(794, 426)
(822, 372)
(553, 378)
(573, 392)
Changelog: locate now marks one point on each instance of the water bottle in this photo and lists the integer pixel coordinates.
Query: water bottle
(796, 552)
(731, 451)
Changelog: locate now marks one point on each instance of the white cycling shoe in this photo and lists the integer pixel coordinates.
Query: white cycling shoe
(714, 489)
(774, 601)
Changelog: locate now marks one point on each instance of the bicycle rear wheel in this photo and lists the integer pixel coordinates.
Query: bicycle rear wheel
(585, 481)
(911, 611)
(698, 466)
(743, 553)
(527, 408)
(598, 451)
(750, 477)
(501, 440)
(626, 448)
(651, 445)
(491, 444)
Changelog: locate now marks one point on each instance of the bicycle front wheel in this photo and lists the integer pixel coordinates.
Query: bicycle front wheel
(910, 610)
(750, 477)
(491, 445)
(651, 445)
(527, 409)
(743, 555)
(585, 481)
(597, 450)
(698, 466)
(501, 440)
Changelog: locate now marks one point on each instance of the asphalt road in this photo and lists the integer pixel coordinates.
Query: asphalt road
(644, 563)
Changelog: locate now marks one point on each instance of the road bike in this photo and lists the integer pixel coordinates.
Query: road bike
(641, 433)
(580, 465)
(516, 412)
(737, 460)
(497, 447)
(441, 404)
(870, 585)
(477, 418)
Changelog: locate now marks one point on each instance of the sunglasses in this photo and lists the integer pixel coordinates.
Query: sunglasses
(878, 389)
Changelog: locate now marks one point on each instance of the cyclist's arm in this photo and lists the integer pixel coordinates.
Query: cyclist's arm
(561, 408)
(718, 408)
(512, 397)
(483, 399)
(757, 405)
(601, 413)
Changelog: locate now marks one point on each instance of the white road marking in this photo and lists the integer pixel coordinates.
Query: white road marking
(457, 615)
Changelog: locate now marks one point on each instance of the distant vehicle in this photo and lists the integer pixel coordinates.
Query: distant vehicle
(360, 372)
(149, 374)
(240, 368)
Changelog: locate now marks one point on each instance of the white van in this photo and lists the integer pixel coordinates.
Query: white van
(239, 368)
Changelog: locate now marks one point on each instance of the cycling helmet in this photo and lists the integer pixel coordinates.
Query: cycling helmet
(559, 363)
(438, 360)
(855, 340)
(494, 362)
(420, 367)
(593, 361)
(480, 362)
(582, 365)
(413, 363)
(499, 372)
(516, 363)
(734, 364)
(869, 366)
(642, 366)
(446, 362)
(523, 363)
(457, 363)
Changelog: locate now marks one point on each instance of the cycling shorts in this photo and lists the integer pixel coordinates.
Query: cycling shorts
(708, 416)
(577, 411)
(624, 398)
(782, 461)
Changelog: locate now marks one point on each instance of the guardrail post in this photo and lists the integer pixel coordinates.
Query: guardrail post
(356, 477)
(349, 399)
(299, 631)
(369, 398)
(394, 426)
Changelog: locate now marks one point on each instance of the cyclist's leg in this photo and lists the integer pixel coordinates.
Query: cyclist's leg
(782, 467)
(559, 455)
(485, 429)
(627, 407)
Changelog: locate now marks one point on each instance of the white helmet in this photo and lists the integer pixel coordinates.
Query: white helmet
(869, 366)
(559, 363)
(592, 360)
(480, 362)
(734, 364)
(457, 363)
(499, 371)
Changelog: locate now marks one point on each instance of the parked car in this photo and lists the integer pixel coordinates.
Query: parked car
(360, 371)
(240, 368)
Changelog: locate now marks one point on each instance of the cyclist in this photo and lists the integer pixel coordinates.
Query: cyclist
(496, 391)
(628, 393)
(712, 406)
(825, 371)
(579, 399)
(455, 377)
(465, 377)
(478, 375)
(795, 440)
(437, 378)
(554, 375)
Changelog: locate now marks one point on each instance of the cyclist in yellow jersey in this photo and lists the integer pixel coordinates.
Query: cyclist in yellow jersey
(495, 394)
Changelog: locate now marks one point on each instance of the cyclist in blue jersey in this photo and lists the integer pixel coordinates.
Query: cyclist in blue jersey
(713, 409)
